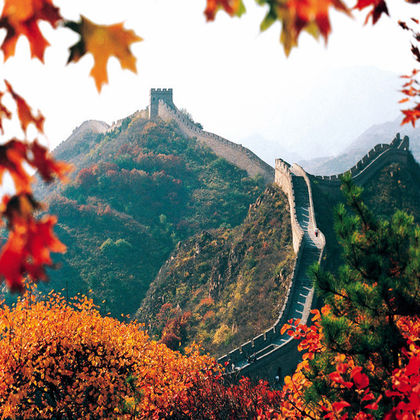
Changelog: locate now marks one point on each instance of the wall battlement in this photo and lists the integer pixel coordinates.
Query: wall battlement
(271, 352)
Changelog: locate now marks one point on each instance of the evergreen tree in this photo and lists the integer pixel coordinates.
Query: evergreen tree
(374, 291)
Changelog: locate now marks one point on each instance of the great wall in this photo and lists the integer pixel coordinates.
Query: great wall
(272, 354)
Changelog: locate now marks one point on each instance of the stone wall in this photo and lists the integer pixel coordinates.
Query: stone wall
(320, 239)
(264, 340)
(232, 152)
(365, 168)
(269, 358)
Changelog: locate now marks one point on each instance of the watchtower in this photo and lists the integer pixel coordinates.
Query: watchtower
(160, 94)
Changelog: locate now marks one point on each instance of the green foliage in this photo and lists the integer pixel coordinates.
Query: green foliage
(394, 187)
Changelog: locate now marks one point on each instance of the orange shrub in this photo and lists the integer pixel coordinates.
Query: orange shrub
(65, 360)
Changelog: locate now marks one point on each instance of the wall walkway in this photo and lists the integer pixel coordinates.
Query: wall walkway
(272, 352)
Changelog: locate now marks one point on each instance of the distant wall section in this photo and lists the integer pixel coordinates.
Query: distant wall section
(232, 152)
(365, 168)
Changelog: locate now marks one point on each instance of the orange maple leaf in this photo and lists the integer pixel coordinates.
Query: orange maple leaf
(103, 41)
(20, 17)
(411, 115)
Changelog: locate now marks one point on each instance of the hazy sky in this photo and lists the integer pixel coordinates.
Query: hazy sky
(233, 79)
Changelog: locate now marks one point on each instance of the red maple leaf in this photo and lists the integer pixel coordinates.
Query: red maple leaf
(21, 17)
(378, 7)
(24, 111)
(29, 245)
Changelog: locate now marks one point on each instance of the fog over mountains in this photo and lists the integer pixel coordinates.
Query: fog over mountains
(379, 133)
(329, 115)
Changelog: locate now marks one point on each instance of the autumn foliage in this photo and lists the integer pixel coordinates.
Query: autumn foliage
(22, 18)
(350, 390)
(62, 360)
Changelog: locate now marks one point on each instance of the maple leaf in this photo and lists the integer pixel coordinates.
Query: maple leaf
(378, 7)
(18, 207)
(411, 89)
(360, 379)
(416, 52)
(29, 245)
(14, 154)
(4, 113)
(403, 25)
(12, 157)
(103, 41)
(231, 7)
(300, 15)
(340, 405)
(46, 165)
(20, 17)
(24, 111)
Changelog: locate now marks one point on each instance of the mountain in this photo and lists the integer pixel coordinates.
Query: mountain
(222, 286)
(376, 134)
(138, 188)
(80, 140)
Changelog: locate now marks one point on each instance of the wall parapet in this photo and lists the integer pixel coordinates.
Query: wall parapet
(320, 239)
(267, 353)
(283, 178)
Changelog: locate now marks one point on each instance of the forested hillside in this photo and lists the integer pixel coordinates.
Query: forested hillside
(224, 286)
(394, 187)
(137, 190)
